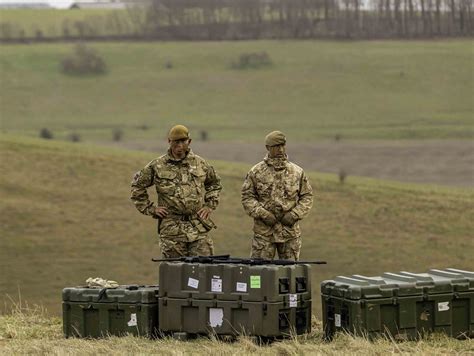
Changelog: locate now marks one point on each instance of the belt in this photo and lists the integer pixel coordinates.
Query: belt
(182, 217)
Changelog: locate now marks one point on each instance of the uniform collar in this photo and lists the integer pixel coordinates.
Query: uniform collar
(187, 157)
(277, 163)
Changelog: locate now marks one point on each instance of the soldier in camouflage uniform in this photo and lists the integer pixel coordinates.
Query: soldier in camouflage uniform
(277, 194)
(188, 191)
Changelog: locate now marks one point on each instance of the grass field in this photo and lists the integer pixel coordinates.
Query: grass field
(66, 216)
(314, 90)
(29, 331)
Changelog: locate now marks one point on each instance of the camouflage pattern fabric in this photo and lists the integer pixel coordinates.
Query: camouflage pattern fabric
(263, 248)
(99, 282)
(278, 186)
(173, 247)
(183, 188)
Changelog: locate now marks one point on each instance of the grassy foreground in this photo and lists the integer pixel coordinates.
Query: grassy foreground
(30, 331)
(313, 90)
(65, 215)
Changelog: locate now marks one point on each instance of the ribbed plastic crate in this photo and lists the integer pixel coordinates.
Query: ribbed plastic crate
(96, 312)
(403, 305)
(218, 317)
(228, 282)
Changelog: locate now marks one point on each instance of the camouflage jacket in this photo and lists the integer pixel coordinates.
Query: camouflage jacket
(183, 186)
(278, 186)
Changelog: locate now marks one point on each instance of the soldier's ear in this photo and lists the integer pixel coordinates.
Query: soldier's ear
(189, 141)
(268, 148)
(169, 141)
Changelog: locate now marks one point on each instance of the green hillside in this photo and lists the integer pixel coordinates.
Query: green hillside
(313, 90)
(66, 216)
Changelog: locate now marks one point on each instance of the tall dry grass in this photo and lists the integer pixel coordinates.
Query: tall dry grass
(28, 330)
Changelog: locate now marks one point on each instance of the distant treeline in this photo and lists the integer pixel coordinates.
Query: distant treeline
(265, 19)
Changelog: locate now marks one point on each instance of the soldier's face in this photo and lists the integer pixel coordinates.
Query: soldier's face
(276, 151)
(179, 147)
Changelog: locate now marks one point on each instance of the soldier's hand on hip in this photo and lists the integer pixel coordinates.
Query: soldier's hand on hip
(161, 211)
(204, 212)
(269, 219)
(288, 219)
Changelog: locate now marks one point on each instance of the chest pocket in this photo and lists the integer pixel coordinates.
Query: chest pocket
(166, 182)
(199, 177)
(264, 186)
(291, 188)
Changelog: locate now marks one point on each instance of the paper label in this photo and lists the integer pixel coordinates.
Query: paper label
(241, 287)
(254, 281)
(216, 285)
(216, 317)
(133, 320)
(443, 306)
(193, 283)
(337, 320)
(293, 300)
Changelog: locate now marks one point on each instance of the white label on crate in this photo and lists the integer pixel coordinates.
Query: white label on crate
(216, 285)
(193, 283)
(443, 306)
(216, 317)
(337, 320)
(241, 287)
(293, 300)
(133, 320)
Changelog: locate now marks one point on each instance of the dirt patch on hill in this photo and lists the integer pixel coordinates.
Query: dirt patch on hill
(435, 161)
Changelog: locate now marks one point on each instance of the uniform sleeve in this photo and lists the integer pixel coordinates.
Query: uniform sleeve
(305, 201)
(249, 197)
(141, 181)
(213, 187)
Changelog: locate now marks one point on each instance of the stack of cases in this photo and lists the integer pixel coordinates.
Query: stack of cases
(232, 299)
(96, 312)
(403, 305)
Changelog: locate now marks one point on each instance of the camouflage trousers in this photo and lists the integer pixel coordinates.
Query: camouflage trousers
(184, 238)
(289, 250)
(173, 247)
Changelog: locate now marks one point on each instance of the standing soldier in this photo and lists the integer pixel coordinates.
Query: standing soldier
(277, 194)
(188, 191)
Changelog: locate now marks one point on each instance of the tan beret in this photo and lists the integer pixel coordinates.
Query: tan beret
(275, 138)
(178, 132)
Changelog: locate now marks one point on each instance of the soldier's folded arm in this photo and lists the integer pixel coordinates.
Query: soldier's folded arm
(139, 195)
(305, 200)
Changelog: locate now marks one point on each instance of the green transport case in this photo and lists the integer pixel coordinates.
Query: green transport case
(234, 282)
(232, 318)
(96, 312)
(401, 305)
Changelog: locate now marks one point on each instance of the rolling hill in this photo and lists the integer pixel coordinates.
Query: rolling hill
(66, 216)
(313, 90)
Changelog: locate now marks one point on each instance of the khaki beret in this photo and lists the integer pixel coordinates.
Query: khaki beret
(178, 132)
(275, 138)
